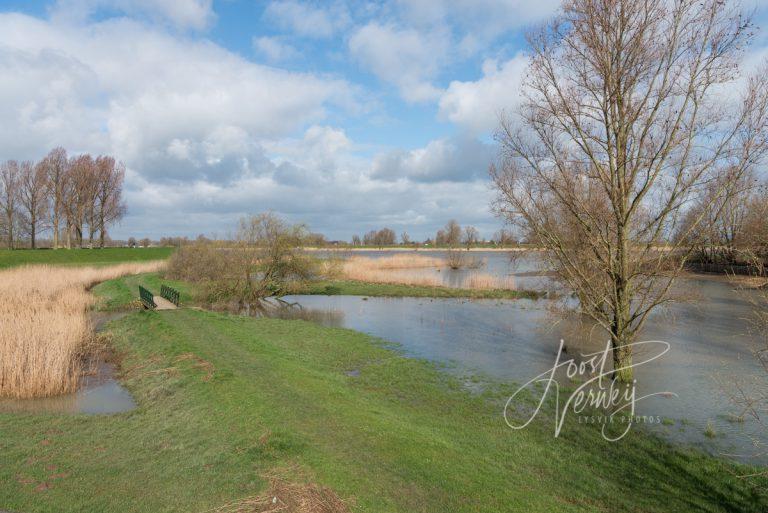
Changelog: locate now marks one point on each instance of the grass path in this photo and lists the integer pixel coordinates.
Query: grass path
(224, 400)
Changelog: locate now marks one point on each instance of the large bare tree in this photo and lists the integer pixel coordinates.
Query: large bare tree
(109, 204)
(627, 115)
(79, 196)
(33, 199)
(9, 198)
(56, 167)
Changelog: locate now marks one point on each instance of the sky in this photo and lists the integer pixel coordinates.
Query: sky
(345, 115)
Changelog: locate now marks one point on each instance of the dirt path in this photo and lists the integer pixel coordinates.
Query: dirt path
(163, 304)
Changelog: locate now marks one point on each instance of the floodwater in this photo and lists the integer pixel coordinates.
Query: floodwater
(100, 392)
(515, 340)
(522, 268)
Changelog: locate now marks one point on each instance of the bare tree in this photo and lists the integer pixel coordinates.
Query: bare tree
(109, 204)
(33, 199)
(79, 196)
(56, 167)
(715, 225)
(265, 260)
(471, 236)
(503, 237)
(405, 238)
(9, 197)
(625, 119)
(452, 232)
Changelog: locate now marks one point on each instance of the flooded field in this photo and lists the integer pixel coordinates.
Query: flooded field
(513, 341)
(523, 269)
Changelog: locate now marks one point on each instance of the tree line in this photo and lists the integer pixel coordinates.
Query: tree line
(74, 198)
(452, 235)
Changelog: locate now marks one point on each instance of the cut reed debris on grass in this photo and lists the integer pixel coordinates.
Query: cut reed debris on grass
(45, 330)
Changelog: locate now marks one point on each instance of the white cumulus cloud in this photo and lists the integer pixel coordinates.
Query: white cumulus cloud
(476, 105)
(407, 58)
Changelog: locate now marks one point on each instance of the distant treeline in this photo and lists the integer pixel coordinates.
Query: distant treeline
(72, 199)
(452, 235)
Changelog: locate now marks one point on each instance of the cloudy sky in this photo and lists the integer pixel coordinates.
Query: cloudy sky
(346, 115)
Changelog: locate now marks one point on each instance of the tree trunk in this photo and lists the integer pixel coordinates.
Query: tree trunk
(101, 231)
(32, 231)
(622, 360)
(621, 331)
(55, 231)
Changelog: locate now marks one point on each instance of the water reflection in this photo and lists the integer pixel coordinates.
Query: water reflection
(99, 393)
(514, 341)
(522, 267)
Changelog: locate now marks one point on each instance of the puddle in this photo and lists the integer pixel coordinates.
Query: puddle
(100, 393)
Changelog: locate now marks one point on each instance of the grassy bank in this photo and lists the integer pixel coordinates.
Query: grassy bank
(122, 292)
(11, 258)
(360, 288)
(225, 401)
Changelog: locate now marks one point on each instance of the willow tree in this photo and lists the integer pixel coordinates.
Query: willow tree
(628, 113)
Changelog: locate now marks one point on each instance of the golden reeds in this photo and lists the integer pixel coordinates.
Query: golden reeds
(44, 325)
(393, 269)
(482, 281)
(409, 270)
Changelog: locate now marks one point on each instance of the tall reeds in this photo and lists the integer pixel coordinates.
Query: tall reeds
(415, 270)
(398, 269)
(45, 330)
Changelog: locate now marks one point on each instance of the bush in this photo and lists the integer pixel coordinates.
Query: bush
(265, 260)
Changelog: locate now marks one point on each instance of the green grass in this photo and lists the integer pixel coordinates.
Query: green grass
(120, 293)
(12, 258)
(359, 288)
(399, 436)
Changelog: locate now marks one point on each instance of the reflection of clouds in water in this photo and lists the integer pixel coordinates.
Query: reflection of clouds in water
(513, 341)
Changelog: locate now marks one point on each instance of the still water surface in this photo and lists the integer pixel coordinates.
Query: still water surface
(513, 341)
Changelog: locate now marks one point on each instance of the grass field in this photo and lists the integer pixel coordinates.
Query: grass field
(225, 401)
(11, 258)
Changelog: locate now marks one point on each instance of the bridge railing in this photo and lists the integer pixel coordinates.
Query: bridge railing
(170, 294)
(147, 298)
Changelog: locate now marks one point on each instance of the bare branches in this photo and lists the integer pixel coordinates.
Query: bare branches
(625, 123)
(59, 192)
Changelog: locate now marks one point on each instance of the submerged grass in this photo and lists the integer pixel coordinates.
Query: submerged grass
(44, 325)
(280, 397)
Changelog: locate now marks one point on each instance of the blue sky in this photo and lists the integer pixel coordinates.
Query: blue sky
(348, 116)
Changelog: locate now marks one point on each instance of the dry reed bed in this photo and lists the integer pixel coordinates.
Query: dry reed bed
(408, 270)
(44, 325)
